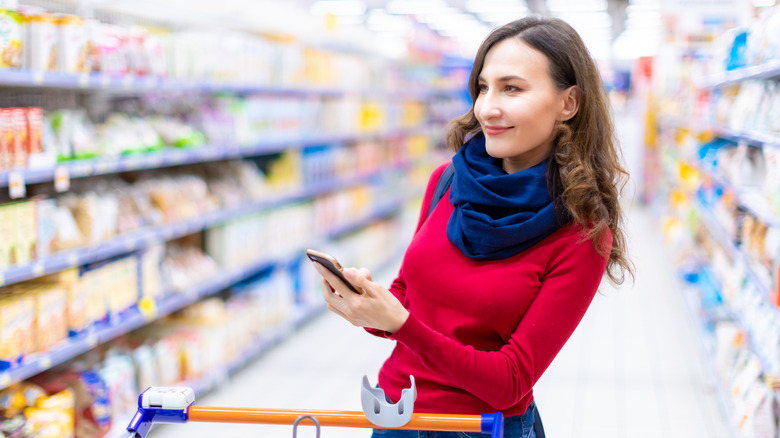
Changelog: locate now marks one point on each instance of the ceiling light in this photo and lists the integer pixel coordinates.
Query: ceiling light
(338, 7)
(452, 21)
(581, 5)
(580, 20)
(382, 22)
(500, 17)
(415, 7)
(513, 7)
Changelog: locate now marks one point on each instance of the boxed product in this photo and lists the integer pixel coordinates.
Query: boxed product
(17, 327)
(51, 317)
(10, 39)
(13, 123)
(80, 310)
(8, 242)
(115, 280)
(149, 265)
(41, 41)
(72, 49)
(45, 227)
(118, 373)
(26, 231)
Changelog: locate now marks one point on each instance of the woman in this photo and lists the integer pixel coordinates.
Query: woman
(495, 281)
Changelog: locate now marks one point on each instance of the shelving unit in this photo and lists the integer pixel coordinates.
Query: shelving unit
(172, 301)
(177, 157)
(394, 109)
(149, 236)
(737, 297)
(768, 70)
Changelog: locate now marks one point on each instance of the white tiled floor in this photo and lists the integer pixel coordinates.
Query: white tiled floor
(632, 369)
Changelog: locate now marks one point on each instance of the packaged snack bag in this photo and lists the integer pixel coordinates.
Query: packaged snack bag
(92, 406)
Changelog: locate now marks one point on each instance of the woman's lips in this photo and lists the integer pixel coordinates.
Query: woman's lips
(496, 130)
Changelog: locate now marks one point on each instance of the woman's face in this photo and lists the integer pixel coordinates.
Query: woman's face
(518, 104)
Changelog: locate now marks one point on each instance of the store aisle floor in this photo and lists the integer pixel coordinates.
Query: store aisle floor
(632, 369)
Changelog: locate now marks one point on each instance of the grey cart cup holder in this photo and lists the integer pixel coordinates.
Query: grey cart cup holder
(382, 413)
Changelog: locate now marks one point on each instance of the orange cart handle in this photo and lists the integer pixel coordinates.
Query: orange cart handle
(175, 405)
(437, 422)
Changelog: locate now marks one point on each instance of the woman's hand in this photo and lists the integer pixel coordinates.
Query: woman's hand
(376, 307)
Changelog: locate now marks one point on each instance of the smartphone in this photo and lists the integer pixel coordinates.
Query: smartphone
(331, 264)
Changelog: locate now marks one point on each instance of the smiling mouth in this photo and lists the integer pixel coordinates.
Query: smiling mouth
(496, 130)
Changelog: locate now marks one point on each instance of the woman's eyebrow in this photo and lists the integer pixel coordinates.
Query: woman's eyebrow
(506, 78)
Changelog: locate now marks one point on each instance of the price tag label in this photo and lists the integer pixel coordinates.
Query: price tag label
(127, 81)
(130, 244)
(105, 81)
(155, 161)
(38, 269)
(38, 77)
(148, 308)
(73, 260)
(132, 163)
(2, 279)
(84, 80)
(45, 362)
(92, 339)
(102, 167)
(5, 379)
(16, 186)
(61, 179)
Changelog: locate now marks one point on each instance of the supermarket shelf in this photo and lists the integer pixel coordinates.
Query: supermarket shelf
(135, 83)
(736, 254)
(177, 157)
(767, 70)
(755, 138)
(301, 316)
(149, 236)
(134, 318)
(739, 256)
(707, 348)
(751, 200)
(129, 83)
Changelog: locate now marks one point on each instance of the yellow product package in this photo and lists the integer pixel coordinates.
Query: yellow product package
(17, 326)
(51, 315)
(49, 423)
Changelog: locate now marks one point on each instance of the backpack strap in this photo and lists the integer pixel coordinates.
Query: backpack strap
(445, 180)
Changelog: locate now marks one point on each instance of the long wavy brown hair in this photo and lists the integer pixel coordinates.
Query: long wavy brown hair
(585, 175)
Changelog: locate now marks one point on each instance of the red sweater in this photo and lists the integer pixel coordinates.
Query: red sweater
(481, 333)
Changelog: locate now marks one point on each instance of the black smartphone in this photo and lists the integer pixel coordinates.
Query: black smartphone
(331, 264)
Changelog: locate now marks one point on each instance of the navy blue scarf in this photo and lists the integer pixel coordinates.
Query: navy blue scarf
(497, 215)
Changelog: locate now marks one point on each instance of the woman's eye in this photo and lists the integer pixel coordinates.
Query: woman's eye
(482, 88)
(512, 88)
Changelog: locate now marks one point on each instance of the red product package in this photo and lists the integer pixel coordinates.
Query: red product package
(34, 127)
(5, 140)
(16, 135)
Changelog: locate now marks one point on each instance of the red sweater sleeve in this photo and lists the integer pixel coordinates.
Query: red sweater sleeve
(502, 378)
(398, 287)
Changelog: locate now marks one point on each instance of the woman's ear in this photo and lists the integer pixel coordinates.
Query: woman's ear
(571, 103)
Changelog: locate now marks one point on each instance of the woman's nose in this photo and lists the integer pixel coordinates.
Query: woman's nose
(490, 106)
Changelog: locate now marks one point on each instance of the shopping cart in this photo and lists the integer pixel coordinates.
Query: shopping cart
(176, 405)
